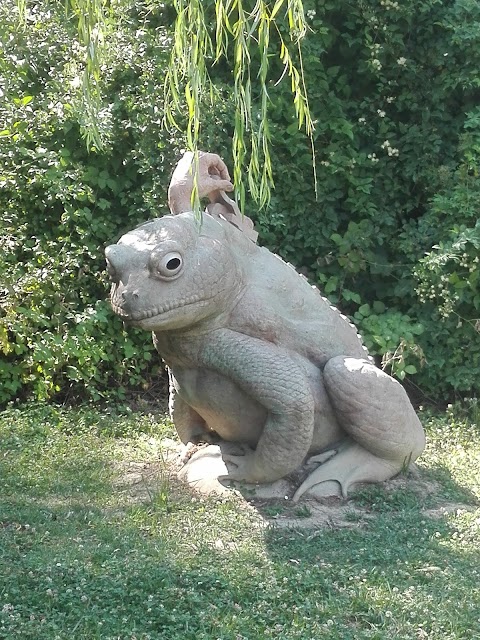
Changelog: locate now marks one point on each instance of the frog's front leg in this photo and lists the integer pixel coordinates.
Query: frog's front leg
(271, 377)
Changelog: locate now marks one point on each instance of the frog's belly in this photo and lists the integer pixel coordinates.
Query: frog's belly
(226, 408)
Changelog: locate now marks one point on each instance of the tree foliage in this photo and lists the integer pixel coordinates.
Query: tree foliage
(203, 35)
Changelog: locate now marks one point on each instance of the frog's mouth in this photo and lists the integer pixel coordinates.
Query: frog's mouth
(161, 312)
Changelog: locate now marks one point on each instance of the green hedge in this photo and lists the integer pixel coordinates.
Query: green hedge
(61, 205)
(393, 237)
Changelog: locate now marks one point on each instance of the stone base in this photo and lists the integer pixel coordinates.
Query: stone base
(203, 469)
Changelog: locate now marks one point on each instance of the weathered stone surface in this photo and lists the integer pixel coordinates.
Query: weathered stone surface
(207, 472)
(256, 356)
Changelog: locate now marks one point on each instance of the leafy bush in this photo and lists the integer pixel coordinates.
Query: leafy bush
(392, 235)
(394, 90)
(62, 204)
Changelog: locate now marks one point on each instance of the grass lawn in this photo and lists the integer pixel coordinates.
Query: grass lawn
(97, 541)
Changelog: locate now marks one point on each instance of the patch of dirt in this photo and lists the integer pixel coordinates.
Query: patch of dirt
(412, 481)
(141, 481)
(447, 508)
(312, 513)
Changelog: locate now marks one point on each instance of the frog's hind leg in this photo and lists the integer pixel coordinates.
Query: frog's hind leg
(374, 410)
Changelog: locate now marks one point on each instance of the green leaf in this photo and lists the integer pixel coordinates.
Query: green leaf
(378, 307)
(276, 8)
(350, 295)
(337, 238)
(365, 310)
(331, 284)
(292, 129)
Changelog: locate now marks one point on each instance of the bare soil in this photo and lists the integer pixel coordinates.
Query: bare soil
(141, 481)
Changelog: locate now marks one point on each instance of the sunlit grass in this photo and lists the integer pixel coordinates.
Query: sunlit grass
(98, 541)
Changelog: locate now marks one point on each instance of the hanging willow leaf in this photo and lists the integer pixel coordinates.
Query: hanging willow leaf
(245, 30)
(92, 21)
(238, 32)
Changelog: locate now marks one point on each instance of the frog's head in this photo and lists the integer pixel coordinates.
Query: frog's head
(172, 273)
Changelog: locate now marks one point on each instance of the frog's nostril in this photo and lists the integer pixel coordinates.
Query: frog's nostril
(128, 297)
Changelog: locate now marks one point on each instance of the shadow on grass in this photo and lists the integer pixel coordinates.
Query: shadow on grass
(160, 570)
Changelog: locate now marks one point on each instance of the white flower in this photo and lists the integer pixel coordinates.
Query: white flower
(402, 61)
(362, 120)
(390, 99)
(392, 151)
(388, 4)
(376, 64)
(381, 113)
(311, 13)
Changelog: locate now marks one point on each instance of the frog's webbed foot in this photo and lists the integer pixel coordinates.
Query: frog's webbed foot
(352, 464)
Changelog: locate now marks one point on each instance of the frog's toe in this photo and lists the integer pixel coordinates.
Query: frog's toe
(352, 465)
(320, 458)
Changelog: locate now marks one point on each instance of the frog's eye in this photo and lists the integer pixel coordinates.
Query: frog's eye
(169, 265)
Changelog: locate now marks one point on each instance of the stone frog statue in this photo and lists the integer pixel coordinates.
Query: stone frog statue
(256, 355)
